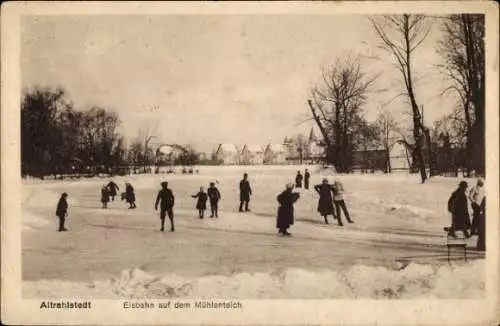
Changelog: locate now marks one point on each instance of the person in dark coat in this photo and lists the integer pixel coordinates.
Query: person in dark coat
(129, 191)
(214, 196)
(298, 180)
(481, 226)
(112, 189)
(307, 175)
(458, 207)
(201, 204)
(325, 202)
(62, 211)
(104, 196)
(285, 216)
(245, 192)
(166, 200)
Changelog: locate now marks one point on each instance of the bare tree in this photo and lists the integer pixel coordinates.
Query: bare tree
(336, 106)
(388, 128)
(401, 35)
(462, 49)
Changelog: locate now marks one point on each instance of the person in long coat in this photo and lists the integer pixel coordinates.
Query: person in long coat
(298, 180)
(325, 202)
(112, 189)
(214, 196)
(458, 207)
(245, 192)
(481, 226)
(201, 203)
(62, 211)
(166, 200)
(130, 195)
(476, 195)
(285, 216)
(307, 176)
(104, 196)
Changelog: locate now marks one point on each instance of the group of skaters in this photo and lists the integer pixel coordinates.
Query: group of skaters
(331, 202)
(458, 206)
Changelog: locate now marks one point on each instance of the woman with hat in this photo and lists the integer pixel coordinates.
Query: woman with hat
(457, 206)
(285, 211)
(325, 202)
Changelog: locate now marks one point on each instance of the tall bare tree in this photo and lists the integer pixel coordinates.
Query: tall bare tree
(336, 105)
(462, 49)
(388, 129)
(400, 36)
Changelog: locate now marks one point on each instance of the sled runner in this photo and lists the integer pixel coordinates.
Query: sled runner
(455, 241)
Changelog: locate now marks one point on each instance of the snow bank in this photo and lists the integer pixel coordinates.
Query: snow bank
(356, 282)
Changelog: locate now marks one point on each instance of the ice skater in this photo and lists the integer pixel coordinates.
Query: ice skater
(325, 202)
(166, 200)
(201, 203)
(298, 180)
(245, 193)
(338, 200)
(457, 206)
(214, 196)
(307, 175)
(476, 195)
(104, 196)
(113, 190)
(481, 226)
(130, 195)
(62, 211)
(285, 216)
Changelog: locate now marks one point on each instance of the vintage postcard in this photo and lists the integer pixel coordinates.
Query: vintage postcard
(255, 163)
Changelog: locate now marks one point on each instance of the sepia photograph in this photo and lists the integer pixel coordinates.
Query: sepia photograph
(196, 159)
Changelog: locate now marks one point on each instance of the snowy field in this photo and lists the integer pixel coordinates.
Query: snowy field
(395, 248)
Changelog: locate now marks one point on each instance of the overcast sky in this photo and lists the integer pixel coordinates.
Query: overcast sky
(210, 79)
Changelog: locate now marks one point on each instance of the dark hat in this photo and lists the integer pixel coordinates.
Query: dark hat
(164, 183)
(212, 184)
(64, 194)
(463, 184)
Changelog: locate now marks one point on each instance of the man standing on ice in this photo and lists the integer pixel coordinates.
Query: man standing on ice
(285, 211)
(245, 192)
(214, 196)
(457, 206)
(476, 195)
(307, 175)
(166, 200)
(338, 200)
(62, 211)
(298, 180)
(325, 202)
(113, 189)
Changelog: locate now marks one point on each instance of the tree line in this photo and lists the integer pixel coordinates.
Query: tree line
(57, 138)
(338, 103)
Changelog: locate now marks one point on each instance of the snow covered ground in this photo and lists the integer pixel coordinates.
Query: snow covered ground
(395, 248)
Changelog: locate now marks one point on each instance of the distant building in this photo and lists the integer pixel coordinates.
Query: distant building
(252, 155)
(275, 154)
(227, 154)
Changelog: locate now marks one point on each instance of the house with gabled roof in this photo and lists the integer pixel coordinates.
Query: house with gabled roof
(227, 154)
(252, 154)
(275, 154)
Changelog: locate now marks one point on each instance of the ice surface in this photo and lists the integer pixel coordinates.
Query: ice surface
(395, 249)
